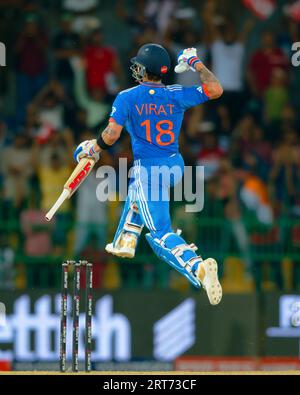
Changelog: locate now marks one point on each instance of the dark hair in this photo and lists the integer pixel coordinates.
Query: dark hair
(153, 77)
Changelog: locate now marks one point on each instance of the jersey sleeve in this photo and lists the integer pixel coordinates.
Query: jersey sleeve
(193, 96)
(119, 112)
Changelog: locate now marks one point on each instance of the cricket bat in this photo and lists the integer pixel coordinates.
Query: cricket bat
(80, 173)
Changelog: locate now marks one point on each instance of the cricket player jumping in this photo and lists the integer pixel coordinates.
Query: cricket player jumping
(152, 114)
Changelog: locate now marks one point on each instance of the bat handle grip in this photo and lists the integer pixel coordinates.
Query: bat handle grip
(64, 195)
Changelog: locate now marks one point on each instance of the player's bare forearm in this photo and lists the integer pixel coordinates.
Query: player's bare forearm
(109, 135)
(212, 84)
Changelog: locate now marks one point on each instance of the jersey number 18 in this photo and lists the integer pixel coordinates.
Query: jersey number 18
(161, 132)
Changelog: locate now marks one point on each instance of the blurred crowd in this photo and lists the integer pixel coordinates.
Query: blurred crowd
(67, 60)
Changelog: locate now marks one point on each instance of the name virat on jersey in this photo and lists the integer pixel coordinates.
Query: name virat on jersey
(152, 108)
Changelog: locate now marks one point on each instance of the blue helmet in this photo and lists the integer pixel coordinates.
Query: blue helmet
(151, 58)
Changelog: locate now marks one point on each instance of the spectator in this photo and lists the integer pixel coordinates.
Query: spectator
(31, 60)
(58, 143)
(255, 197)
(289, 34)
(91, 214)
(7, 259)
(262, 63)
(160, 12)
(66, 46)
(134, 18)
(80, 5)
(37, 240)
(95, 106)
(227, 58)
(193, 121)
(18, 169)
(241, 141)
(250, 148)
(84, 24)
(79, 124)
(36, 129)
(210, 155)
(227, 193)
(224, 125)
(103, 69)
(285, 169)
(276, 96)
(50, 104)
(289, 118)
(52, 178)
(4, 141)
(259, 154)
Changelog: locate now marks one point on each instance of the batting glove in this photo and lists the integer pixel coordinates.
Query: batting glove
(86, 150)
(187, 60)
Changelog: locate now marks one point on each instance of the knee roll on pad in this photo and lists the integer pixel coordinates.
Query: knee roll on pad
(176, 252)
(133, 222)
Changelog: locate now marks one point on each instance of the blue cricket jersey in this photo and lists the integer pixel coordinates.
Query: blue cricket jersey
(153, 115)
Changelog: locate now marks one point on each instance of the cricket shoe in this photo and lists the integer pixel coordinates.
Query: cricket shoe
(207, 274)
(124, 247)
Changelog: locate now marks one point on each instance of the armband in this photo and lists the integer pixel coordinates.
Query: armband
(102, 144)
